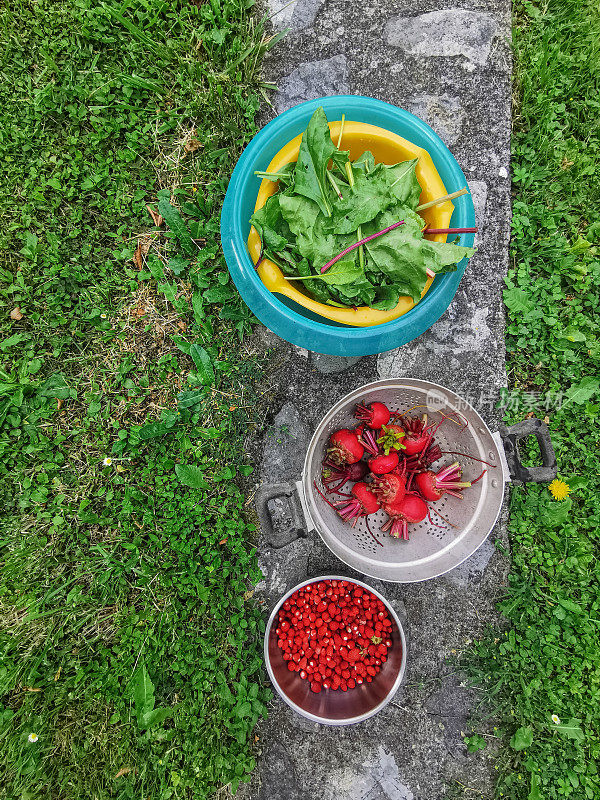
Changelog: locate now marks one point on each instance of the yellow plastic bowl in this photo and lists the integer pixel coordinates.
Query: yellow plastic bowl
(388, 148)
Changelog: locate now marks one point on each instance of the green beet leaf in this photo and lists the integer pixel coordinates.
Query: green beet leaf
(370, 195)
(316, 149)
(285, 260)
(299, 212)
(342, 273)
(271, 226)
(386, 298)
(319, 246)
(366, 162)
(340, 158)
(447, 254)
(399, 254)
(344, 284)
(360, 292)
(403, 183)
(339, 274)
(305, 225)
(318, 290)
(367, 296)
(357, 290)
(308, 224)
(304, 267)
(285, 175)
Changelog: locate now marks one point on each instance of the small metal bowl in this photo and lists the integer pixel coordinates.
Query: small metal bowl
(331, 707)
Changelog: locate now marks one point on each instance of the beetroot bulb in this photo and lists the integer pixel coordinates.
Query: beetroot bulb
(423, 460)
(361, 502)
(344, 447)
(374, 415)
(417, 433)
(382, 463)
(389, 488)
(383, 448)
(410, 509)
(335, 477)
(434, 486)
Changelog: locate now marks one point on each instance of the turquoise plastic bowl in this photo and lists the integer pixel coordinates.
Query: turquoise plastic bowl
(286, 318)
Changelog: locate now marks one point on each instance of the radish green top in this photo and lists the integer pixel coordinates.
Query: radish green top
(326, 203)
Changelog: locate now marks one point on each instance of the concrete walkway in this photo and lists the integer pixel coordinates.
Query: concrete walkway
(451, 67)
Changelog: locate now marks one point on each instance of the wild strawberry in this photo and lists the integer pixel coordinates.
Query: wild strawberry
(332, 648)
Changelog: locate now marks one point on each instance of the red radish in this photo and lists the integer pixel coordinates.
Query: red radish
(421, 461)
(433, 486)
(411, 509)
(340, 475)
(389, 488)
(359, 503)
(375, 414)
(391, 437)
(384, 463)
(345, 447)
(418, 434)
(363, 504)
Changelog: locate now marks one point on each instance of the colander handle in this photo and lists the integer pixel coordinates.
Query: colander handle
(510, 439)
(297, 528)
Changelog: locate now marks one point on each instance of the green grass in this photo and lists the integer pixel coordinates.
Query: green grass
(130, 641)
(548, 660)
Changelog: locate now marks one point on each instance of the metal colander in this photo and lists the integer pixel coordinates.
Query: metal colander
(437, 545)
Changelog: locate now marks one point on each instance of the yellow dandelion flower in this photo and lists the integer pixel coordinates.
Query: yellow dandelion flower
(559, 489)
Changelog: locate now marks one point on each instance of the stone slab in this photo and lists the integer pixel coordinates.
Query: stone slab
(445, 33)
(295, 15)
(452, 68)
(313, 79)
